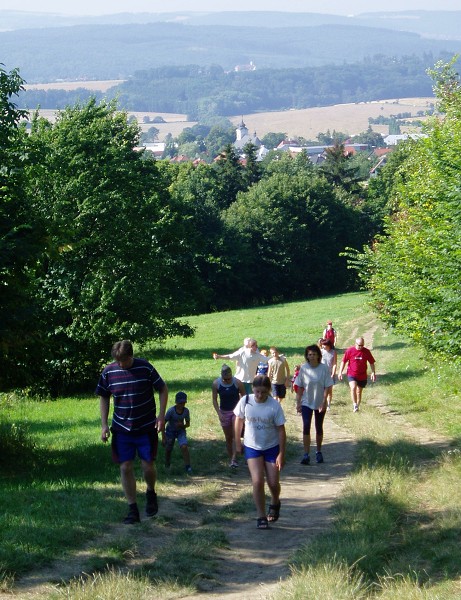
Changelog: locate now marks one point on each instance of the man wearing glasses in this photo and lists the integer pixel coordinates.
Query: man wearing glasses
(357, 357)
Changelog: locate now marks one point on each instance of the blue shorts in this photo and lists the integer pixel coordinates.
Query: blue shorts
(269, 455)
(171, 436)
(279, 390)
(360, 382)
(126, 445)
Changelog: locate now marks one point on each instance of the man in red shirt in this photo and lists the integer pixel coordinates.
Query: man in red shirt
(357, 357)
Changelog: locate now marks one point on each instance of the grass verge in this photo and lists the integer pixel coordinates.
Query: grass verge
(396, 525)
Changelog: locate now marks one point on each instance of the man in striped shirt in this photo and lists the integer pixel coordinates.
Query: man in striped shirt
(135, 425)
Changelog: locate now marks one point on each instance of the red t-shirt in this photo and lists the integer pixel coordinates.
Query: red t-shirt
(357, 360)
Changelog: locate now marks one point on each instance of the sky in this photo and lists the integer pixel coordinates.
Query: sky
(338, 7)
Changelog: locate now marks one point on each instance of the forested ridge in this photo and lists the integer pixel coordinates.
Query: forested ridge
(100, 241)
(201, 92)
(117, 51)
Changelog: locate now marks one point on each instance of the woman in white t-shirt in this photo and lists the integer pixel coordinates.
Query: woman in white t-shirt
(314, 382)
(264, 441)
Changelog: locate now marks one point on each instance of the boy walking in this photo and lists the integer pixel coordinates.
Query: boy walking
(278, 373)
(177, 420)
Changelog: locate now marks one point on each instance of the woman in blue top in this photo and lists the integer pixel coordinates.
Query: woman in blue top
(229, 390)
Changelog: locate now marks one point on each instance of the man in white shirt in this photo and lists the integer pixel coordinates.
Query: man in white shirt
(246, 359)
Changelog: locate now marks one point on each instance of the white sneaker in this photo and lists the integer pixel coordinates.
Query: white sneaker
(356, 408)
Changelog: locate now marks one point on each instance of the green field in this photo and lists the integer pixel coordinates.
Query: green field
(396, 526)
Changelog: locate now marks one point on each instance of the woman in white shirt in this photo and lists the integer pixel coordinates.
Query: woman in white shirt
(264, 441)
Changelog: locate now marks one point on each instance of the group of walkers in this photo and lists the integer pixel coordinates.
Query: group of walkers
(249, 406)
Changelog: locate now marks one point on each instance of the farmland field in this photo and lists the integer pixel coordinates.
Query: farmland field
(348, 118)
(94, 86)
(308, 123)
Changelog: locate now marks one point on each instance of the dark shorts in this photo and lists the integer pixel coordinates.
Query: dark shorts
(279, 390)
(269, 455)
(171, 436)
(360, 382)
(125, 446)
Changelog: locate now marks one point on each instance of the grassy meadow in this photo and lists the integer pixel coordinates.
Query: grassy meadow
(396, 525)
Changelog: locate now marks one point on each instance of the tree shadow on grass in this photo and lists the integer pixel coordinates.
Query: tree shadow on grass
(377, 535)
(399, 376)
(392, 347)
(207, 353)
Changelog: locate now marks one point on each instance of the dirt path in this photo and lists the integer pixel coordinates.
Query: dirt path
(255, 561)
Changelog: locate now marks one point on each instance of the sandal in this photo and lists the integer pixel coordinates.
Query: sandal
(262, 523)
(274, 512)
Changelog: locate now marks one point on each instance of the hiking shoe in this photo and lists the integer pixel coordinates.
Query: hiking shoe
(132, 517)
(356, 408)
(188, 470)
(233, 464)
(306, 459)
(318, 457)
(151, 503)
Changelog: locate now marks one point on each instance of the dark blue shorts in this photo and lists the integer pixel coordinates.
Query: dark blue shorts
(171, 436)
(125, 446)
(279, 390)
(360, 382)
(269, 455)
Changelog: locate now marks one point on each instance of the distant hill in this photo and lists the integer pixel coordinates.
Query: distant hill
(117, 51)
(435, 24)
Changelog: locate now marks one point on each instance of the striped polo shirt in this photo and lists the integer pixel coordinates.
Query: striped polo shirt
(132, 391)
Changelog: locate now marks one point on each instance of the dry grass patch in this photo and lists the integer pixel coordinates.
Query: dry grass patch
(348, 118)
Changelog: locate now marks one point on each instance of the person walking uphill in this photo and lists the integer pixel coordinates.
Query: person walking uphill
(278, 373)
(177, 420)
(264, 445)
(357, 357)
(229, 390)
(314, 382)
(247, 359)
(329, 333)
(135, 425)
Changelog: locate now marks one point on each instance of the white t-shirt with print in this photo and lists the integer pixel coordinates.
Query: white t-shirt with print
(262, 420)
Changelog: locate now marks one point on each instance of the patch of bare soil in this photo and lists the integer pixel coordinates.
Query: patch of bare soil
(254, 561)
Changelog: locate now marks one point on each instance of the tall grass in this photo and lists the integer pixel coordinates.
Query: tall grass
(397, 524)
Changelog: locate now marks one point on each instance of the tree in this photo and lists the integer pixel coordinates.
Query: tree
(229, 171)
(150, 135)
(290, 229)
(371, 138)
(207, 247)
(22, 239)
(113, 269)
(413, 270)
(252, 172)
(271, 140)
(218, 138)
(340, 170)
